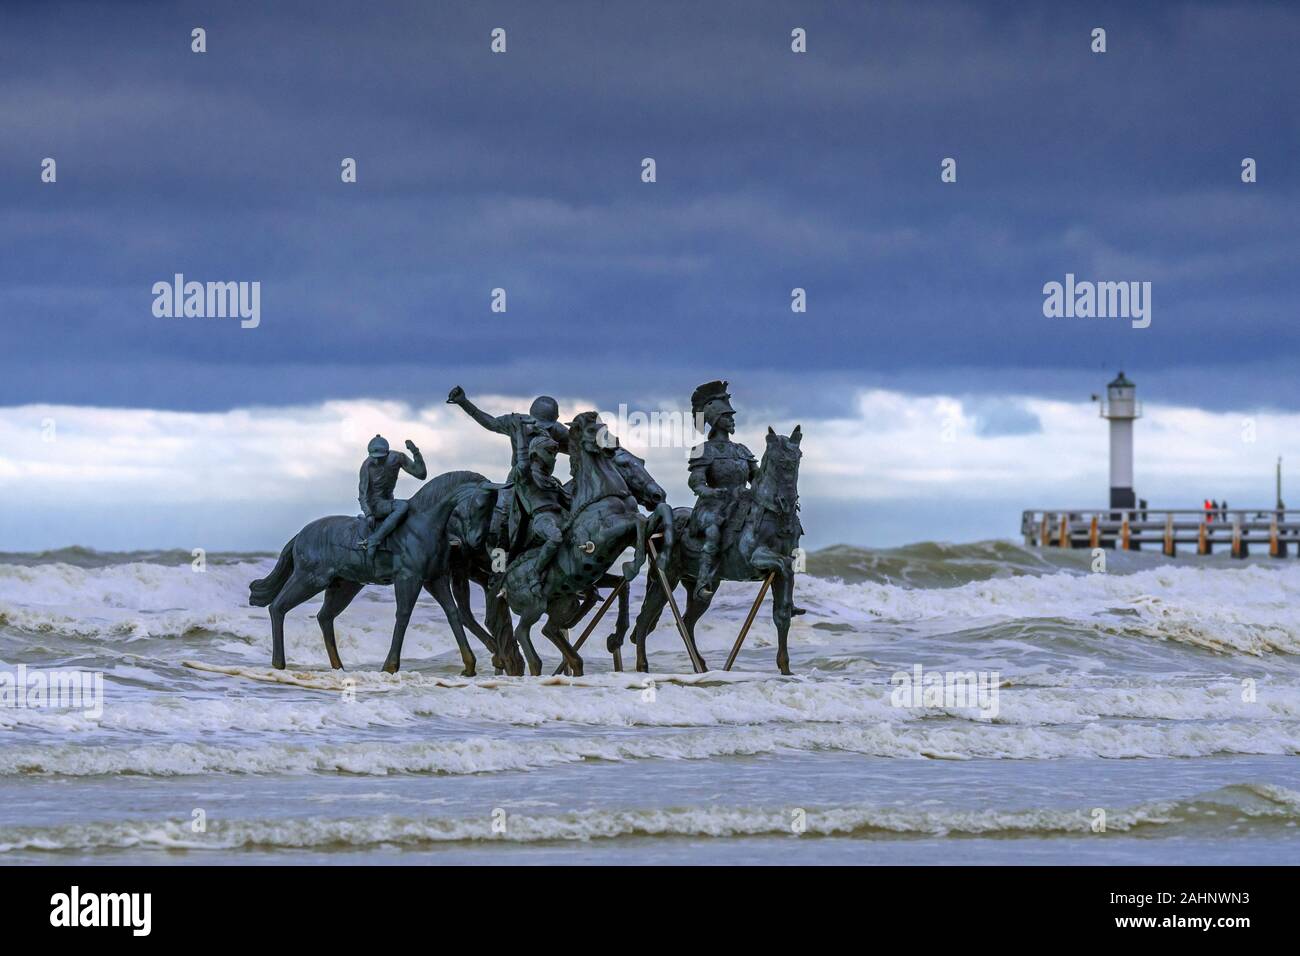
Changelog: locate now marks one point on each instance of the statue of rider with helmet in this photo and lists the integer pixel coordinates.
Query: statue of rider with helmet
(513, 504)
(719, 470)
(379, 473)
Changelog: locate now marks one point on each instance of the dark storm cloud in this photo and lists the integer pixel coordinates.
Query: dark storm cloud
(522, 171)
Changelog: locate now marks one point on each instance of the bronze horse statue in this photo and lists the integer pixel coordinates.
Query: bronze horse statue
(323, 557)
(604, 520)
(441, 547)
(760, 540)
(472, 559)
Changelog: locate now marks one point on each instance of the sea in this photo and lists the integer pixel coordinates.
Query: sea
(962, 704)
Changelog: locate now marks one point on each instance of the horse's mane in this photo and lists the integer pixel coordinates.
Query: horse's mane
(580, 421)
(437, 488)
(786, 503)
(586, 483)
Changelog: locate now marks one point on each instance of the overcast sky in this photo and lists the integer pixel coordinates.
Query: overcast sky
(522, 171)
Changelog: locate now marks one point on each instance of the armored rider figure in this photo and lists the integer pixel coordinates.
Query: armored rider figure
(378, 479)
(719, 470)
(542, 419)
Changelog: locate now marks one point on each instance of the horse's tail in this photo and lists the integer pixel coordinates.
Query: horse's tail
(662, 522)
(263, 591)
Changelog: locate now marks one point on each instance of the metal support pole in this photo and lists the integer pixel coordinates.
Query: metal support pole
(591, 626)
(753, 611)
(697, 662)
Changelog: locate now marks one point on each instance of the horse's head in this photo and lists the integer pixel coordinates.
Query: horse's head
(591, 453)
(587, 433)
(777, 486)
(639, 481)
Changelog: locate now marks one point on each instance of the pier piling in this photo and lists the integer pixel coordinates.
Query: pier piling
(1129, 529)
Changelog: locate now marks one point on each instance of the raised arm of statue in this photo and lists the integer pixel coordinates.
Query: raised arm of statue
(519, 441)
(493, 424)
(414, 466)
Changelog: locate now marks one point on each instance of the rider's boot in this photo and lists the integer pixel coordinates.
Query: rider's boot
(377, 536)
(708, 567)
(544, 555)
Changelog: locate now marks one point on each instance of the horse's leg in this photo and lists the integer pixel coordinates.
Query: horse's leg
(630, 568)
(440, 588)
(651, 607)
(695, 608)
(766, 559)
(665, 524)
(338, 596)
(407, 589)
(460, 591)
(527, 618)
(782, 611)
(498, 622)
(300, 587)
(573, 662)
(497, 639)
(501, 624)
(590, 598)
(615, 640)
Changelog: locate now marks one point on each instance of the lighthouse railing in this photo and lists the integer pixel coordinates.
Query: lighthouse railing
(1105, 409)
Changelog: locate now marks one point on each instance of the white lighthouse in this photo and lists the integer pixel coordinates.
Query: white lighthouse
(1121, 409)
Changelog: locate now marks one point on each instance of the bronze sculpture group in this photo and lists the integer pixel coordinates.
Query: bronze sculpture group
(538, 547)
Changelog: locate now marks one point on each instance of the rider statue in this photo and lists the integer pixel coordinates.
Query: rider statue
(543, 498)
(378, 479)
(720, 469)
(542, 419)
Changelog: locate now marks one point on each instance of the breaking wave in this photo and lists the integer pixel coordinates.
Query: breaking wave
(1159, 678)
(1238, 609)
(482, 753)
(1260, 805)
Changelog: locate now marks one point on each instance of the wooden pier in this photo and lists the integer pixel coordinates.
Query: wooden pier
(1193, 530)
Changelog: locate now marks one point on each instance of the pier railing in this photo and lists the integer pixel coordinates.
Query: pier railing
(1233, 531)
